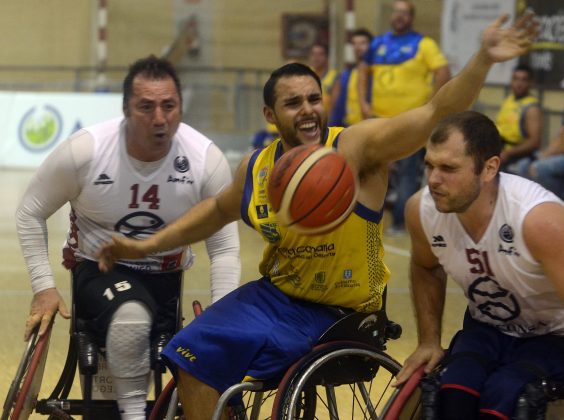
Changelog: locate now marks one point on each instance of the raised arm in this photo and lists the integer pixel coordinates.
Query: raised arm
(428, 284)
(199, 223)
(378, 141)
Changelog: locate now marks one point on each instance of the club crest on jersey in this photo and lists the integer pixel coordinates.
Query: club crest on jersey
(262, 211)
(181, 164)
(506, 233)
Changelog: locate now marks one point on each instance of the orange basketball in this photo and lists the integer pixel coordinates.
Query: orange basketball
(312, 189)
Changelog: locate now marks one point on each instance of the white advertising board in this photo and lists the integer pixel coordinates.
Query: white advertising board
(33, 123)
(461, 27)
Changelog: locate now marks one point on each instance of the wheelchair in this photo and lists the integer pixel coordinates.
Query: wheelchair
(86, 355)
(346, 375)
(417, 399)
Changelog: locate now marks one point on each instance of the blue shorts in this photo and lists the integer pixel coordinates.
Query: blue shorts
(496, 367)
(255, 331)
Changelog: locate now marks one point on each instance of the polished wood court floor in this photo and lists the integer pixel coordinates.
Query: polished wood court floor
(15, 291)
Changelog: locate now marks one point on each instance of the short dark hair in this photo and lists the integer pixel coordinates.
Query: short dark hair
(153, 68)
(287, 70)
(527, 69)
(481, 137)
(362, 32)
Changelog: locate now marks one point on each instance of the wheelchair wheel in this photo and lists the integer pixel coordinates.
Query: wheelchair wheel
(405, 403)
(24, 389)
(337, 380)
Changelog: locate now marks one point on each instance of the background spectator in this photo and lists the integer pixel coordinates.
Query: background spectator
(519, 120)
(400, 64)
(346, 105)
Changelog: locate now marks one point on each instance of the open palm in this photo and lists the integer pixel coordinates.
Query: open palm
(503, 44)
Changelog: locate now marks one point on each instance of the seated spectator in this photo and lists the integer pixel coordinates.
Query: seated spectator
(519, 121)
(548, 167)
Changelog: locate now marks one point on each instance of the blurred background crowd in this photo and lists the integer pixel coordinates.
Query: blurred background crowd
(62, 62)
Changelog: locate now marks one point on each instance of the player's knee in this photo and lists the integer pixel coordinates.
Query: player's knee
(128, 340)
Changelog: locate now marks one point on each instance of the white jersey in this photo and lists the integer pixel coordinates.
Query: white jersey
(504, 284)
(111, 193)
(115, 197)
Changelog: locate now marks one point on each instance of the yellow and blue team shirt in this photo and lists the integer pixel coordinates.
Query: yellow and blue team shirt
(327, 83)
(510, 120)
(343, 268)
(347, 106)
(402, 71)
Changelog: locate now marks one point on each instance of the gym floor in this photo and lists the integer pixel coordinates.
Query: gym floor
(15, 292)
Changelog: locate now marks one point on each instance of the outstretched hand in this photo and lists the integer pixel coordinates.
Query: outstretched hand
(502, 44)
(120, 248)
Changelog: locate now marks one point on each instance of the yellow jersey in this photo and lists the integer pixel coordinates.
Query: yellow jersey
(402, 71)
(510, 120)
(343, 268)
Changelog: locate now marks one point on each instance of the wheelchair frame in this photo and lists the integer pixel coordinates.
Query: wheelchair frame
(83, 354)
(349, 356)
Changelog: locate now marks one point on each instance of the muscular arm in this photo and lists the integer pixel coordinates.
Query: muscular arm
(533, 128)
(222, 246)
(428, 285)
(408, 131)
(542, 229)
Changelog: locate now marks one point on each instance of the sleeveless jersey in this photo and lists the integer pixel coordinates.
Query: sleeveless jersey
(402, 68)
(505, 286)
(116, 198)
(510, 120)
(344, 267)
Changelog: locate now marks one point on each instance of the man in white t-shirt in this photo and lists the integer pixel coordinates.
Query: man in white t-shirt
(498, 236)
(129, 176)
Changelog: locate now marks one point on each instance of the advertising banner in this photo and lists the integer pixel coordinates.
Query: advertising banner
(547, 55)
(33, 123)
(461, 27)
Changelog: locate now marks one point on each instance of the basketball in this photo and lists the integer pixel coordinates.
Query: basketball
(312, 189)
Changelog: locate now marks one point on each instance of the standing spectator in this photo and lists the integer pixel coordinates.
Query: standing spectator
(548, 168)
(497, 236)
(131, 177)
(346, 105)
(319, 62)
(400, 65)
(519, 121)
